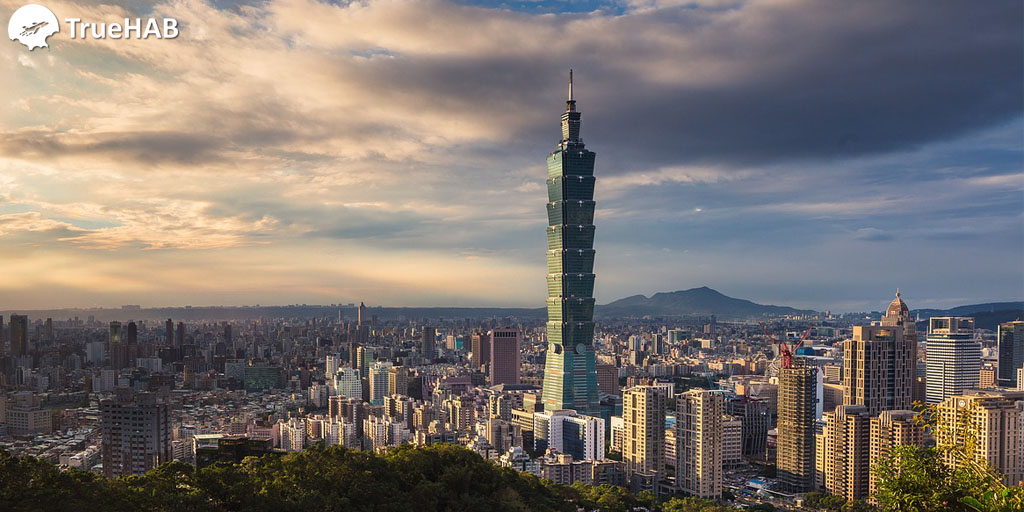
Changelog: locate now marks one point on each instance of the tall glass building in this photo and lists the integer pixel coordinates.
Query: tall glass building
(570, 373)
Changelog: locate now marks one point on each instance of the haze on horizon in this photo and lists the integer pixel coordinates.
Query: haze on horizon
(392, 151)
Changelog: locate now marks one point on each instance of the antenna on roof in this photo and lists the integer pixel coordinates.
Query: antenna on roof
(570, 84)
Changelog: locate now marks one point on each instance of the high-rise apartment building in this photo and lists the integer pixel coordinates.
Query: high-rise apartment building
(570, 374)
(889, 430)
(699, 443)
(992, 423)
(379, 377)
(136, 431)
(795, 442)
(1011, 353)
(879, 365)
(505, 361)
(398, 380)
(846, 439)
(953, 356)
(643, 417)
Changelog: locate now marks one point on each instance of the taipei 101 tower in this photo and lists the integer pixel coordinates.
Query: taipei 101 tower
(570, 374)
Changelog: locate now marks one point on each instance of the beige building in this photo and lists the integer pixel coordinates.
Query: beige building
(732, 441)
(879, 366)
(889, 430)
(991, 421)
(643, 416)
(987, 378)
(845, 460)
(699, 442)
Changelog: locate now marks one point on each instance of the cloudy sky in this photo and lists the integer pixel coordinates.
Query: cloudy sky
(809, 153)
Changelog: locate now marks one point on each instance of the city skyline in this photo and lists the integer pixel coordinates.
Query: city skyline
(401, 169)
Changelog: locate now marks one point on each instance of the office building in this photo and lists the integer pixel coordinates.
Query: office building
(795, 441)
(573, 434)
(1010, 336)
(428, 342)
(699, 443)
(136, 431)
(756, 416)
(19, 335)
(878, 368)
(481, 351)
(504, 368)
(608, 379)
(954, 357)
(570, 374)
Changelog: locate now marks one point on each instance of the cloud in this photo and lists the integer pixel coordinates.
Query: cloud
(873, 235)
(290, 126)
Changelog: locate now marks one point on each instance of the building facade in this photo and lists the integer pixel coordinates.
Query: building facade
(136, 431)
(953, 357)
(794, 459)
(504, 354)
(570, 373)
(1010, 336)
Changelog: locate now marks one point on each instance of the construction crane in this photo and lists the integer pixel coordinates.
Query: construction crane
(785, 350)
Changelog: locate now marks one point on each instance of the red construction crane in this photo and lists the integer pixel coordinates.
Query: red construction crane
(785, 350)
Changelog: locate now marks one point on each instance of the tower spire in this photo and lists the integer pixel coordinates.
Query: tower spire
(570, 84)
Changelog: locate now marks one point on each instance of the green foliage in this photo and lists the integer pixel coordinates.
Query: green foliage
(441, 477)
(949, 477)
(693, 505)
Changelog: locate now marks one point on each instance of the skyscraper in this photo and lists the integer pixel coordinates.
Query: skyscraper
(505, 356)
(428, 339)
(1011, 353)
(170, 332)
(954, 357)
(879, 368)
(570, 373)
(481, 348)
(19, 335)
(795, 442)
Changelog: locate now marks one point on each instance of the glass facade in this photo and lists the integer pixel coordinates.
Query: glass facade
(570, 373)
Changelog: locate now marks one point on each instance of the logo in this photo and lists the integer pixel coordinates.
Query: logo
(31, 24)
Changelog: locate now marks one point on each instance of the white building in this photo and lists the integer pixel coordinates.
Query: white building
(953, 358)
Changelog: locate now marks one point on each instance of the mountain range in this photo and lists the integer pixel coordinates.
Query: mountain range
(693, 302)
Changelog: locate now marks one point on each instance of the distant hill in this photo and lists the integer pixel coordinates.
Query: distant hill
(970, 309)
(986, 316)
(694, 302)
